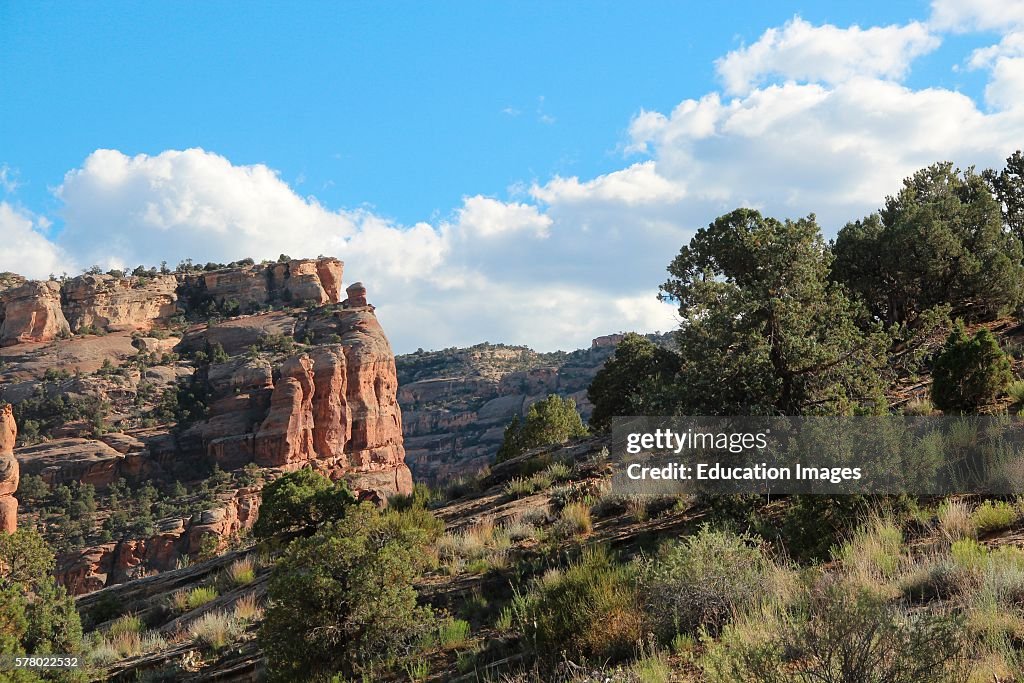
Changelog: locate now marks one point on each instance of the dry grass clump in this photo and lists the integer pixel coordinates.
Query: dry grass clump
(242, 572)
(919, 407)
(247, 609)
(874, 555)
(477, 549)
(575, 520)
(955, 521)
(125, 638)
(214, 630)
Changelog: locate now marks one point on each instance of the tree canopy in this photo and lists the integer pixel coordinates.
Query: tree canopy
(940, 240)
(764, 330)
(299, 502)
(631, 381)
(553, 420)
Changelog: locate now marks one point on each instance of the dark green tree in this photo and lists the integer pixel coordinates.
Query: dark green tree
(342, 600)
(1009, 189)
(299, 502)
(940, 240)
(632, 381)
(37, 616)
(553, 420)
(764, 330)
(970, 371)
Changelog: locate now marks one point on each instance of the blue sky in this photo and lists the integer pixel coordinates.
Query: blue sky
(436, 146)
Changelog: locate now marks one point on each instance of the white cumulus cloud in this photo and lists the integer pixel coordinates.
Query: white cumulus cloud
(25, 248)
(800, 51)
(811, 119)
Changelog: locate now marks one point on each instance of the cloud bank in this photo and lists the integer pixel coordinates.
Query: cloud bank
(808, 119)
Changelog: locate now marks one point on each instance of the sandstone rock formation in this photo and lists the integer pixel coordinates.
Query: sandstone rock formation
(32, 313)
(103, 565)
(42, 311)
(286, 435)
(117, 304)
(299, 281)
(297, 386)
(63, 461)
(355, 295)
(8, 472)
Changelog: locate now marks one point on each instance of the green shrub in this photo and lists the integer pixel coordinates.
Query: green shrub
(841, 635)
(1016, 391)
(299, 502)
(342, 600)
(993, 515)
(590, 611)
(199, 596)
(969, 372)
(698, 583)
(551, 421)
(969, 554)
(421, 496)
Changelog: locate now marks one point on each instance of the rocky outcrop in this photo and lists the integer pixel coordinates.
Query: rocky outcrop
(355, 295)
(286, 435)
(332, 407)
(332, 420)
(8, 472)
(117, 304)
(330, 271)
(32, 313)
(63, 461)
(250, 288)
(104, 565)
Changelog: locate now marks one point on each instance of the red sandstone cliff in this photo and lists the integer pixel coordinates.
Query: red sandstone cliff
(8, 472)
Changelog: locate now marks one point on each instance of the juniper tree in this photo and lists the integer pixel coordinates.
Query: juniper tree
(764, 330)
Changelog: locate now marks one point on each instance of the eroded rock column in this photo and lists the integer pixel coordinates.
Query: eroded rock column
(8, 472)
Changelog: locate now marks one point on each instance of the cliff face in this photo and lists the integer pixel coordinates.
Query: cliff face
(8, 472)
(32, 313)
(117, 304)
(333, 407)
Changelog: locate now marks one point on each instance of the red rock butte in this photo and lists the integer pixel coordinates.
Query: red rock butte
(329, 404)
